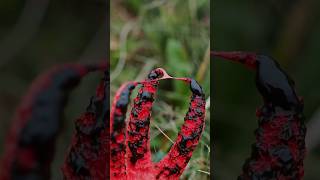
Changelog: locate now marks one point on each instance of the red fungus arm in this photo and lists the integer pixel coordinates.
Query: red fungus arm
(280, 149)
(139, 165)
(247, 59)
(30, 144)
(173, 164)
(118, 131)
(88, 155)
(135, 161)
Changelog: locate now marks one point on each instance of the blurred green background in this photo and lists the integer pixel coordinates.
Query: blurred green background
(174, 35)
(36, 35)
(286, 30)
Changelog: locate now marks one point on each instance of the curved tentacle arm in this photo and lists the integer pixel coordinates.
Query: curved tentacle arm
(88, 155)
(173, 164)
(247, 59)
(118, 131)
(280, 138)
(134, 162)
(138, 137)
(275, 86)
(30, 143)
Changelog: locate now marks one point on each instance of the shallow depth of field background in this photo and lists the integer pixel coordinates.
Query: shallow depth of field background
(35, 36)
(174, 35)
(287, 30)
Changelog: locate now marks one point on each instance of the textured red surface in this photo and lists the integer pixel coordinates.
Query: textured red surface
(88, 156)
(31, 139)
(138, 150)
(118, 131)
(279, 150)
(173, 164)
(137, 163)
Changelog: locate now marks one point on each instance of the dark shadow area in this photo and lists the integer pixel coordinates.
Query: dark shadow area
(37, 35)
